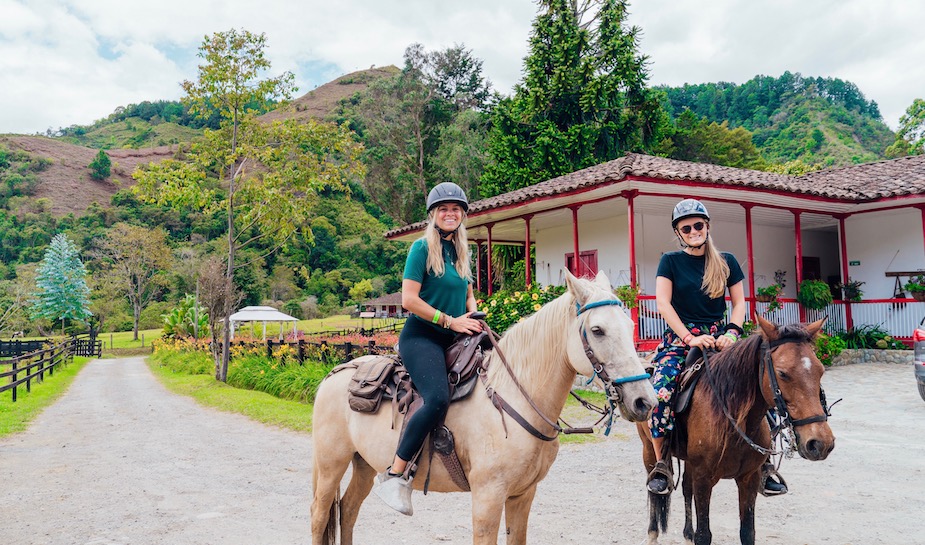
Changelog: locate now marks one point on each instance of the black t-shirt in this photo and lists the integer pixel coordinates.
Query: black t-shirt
(688, 299)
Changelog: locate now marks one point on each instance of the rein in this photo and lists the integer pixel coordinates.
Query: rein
(767, 362)
(611, 385)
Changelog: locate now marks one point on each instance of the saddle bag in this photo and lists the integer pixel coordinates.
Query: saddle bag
(464, 356)
(369, 383)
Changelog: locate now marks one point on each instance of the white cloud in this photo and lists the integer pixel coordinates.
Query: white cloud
(74, 61)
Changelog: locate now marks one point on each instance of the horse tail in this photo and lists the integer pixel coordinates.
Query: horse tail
(659, 507)
(329, 537)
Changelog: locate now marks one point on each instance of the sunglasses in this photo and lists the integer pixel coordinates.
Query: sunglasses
(695, 227)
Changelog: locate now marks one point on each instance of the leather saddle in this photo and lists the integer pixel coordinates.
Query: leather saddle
(687, 380)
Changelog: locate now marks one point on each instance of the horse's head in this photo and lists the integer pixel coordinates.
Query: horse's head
(601, 343)
(792, 383)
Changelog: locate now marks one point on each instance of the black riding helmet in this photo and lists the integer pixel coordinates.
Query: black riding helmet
(447, 192)
(688, 208)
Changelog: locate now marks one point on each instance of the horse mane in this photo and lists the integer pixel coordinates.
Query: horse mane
(734, 371)
(539, 333)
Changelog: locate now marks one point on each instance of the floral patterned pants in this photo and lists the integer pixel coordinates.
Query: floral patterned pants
(669, 362)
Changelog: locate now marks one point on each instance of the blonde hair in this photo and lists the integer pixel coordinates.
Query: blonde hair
(715, 271)
(460, 241)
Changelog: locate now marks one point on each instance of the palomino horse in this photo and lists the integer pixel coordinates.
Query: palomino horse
(727, 433)
(503, 462)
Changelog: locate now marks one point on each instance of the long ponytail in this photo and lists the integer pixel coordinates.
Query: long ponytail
(716, 271)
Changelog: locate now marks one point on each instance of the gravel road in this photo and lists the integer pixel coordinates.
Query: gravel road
(119, 460)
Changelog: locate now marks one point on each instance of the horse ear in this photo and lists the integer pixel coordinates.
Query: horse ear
(575, 288)
(815, 327)
(602, 280)
(767, 328)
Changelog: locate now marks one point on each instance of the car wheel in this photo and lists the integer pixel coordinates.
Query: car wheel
(922, 390)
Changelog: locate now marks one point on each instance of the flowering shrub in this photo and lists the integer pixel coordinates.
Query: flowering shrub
(275, 377)
(505, 308)
(828, 348)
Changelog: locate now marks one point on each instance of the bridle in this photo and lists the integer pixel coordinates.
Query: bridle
(613, 393)
(786, 422)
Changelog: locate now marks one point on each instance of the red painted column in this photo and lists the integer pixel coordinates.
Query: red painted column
(922, 208)
(488, 261)
(798, 241)
(575, 262)
(751, 256)
(631, 240)
(527, 266)
(478, 265)
(849, 322)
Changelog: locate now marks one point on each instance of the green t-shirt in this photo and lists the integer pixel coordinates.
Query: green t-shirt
(445, 293)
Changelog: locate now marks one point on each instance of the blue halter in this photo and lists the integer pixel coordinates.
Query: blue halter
(607, 302)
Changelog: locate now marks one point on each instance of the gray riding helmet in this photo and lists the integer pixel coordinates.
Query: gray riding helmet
(447, 192)
(688, 208)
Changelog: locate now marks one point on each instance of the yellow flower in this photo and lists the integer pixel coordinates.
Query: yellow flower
(516, 294)
(494, 302)
(536, 306)
(536, 296)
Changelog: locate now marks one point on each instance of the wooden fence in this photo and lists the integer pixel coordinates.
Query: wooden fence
(33, 366)
(330, 352)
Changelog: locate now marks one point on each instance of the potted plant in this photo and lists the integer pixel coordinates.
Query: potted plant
(771, 294)
(814, 294)
(628, 295)
(851, 290)
(916, 287)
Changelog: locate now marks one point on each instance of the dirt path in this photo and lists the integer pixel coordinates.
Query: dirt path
(104, 466)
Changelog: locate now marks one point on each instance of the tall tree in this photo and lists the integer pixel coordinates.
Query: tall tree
(910, 138)
(401, 121)
(704, 141)
(583, 99)
(262, 176)
(139, 258)
(61, 283)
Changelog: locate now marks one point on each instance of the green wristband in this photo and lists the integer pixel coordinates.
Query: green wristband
(436, 317)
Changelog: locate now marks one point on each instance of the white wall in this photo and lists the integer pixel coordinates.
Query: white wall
(608, 237)
(884, 242)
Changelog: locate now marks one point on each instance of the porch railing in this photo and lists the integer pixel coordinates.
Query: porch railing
(898, 317)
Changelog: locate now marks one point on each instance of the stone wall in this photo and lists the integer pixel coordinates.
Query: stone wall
(873, 355)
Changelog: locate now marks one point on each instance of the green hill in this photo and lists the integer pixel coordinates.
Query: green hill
(821, 121)
(133, 132)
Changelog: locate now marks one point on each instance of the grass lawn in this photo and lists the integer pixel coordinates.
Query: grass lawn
(15, 417)
(259, 406)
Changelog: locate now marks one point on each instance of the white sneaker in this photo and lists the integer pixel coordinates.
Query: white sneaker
(395, 491)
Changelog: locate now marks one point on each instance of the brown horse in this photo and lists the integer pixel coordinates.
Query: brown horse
(724, 434)
(502, 462)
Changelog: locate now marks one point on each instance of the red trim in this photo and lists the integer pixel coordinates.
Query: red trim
(749, 250)
(575, 239)
(478, 266)
(488, 265)
(798, 240)
(849, 322)
(527, 249)
(714, 185)
(630, 197)
(922, 208)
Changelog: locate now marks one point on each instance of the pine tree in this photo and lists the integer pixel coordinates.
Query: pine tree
(61, 281)
(583, 100)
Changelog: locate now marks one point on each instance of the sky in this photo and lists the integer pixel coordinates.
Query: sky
(66, 62)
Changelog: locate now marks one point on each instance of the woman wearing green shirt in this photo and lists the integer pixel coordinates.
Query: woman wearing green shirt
(437, 291)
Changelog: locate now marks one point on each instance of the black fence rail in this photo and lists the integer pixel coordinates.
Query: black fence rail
(327, 352)
(362, 331)
(26, 368)
(14, 348)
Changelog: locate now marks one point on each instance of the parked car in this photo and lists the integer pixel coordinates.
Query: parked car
(918, 343)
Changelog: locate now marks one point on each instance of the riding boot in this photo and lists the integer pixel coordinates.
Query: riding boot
(395, 491)
(660, 478)
(769, 486)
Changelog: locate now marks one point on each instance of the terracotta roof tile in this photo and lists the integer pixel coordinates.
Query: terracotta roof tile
(855, 183)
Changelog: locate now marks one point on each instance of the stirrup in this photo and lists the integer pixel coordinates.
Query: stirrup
(662, 469)
(768, 474)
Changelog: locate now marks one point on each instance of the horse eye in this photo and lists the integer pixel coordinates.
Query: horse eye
(597, 330)
(783, 375)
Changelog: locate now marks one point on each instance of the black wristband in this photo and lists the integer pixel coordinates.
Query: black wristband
(734, 327)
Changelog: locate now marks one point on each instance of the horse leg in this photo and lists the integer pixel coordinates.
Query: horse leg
(703, 492)
(658, 505)
(516, 513)
(327, 471)
(487, 504)
(361, 482)
(748, 493)
(687, 488)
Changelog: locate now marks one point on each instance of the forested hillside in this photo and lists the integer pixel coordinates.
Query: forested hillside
(822, 122)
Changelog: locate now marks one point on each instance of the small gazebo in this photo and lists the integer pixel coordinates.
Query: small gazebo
(261, 314)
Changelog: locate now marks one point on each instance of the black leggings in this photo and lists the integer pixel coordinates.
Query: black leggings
(422, 351)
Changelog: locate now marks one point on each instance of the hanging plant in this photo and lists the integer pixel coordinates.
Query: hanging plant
(851, 290)
(628, 295)
(814, 294)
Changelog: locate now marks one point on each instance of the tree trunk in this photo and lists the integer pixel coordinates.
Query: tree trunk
(136, 315)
